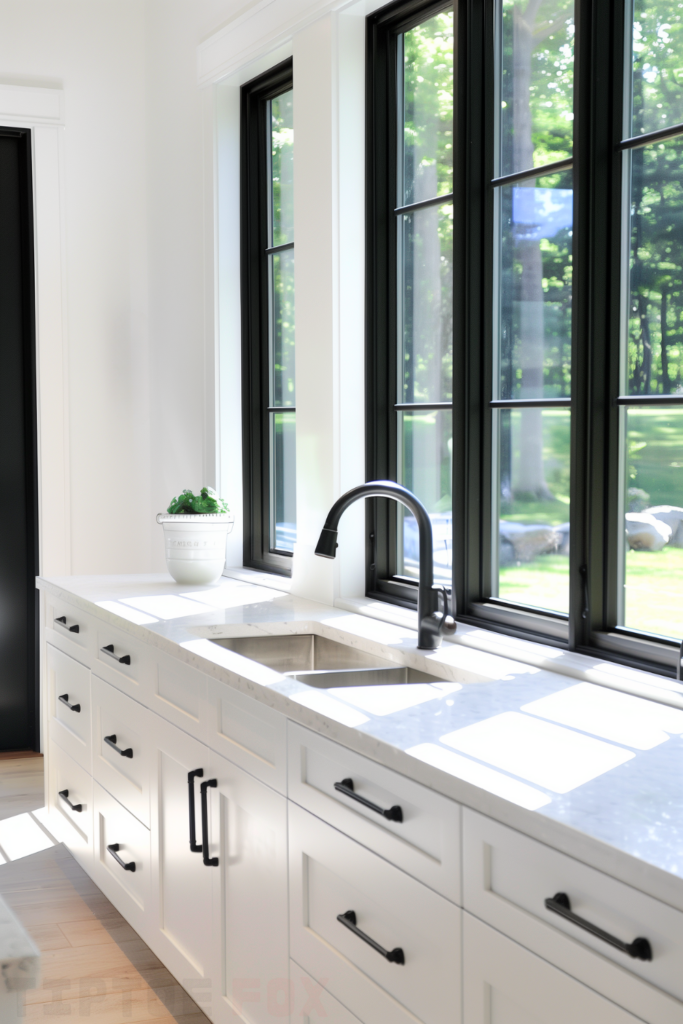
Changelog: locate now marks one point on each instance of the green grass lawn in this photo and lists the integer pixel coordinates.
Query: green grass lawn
(653, 586)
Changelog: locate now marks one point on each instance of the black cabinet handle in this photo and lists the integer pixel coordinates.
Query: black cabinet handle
(209, 862)
(109, 651)
(72, 707)
(111, 741)
(61, 621)
(394, 956)
(114, 851)
(64, 793)
(639, 949)
(346, 787)
(198, 773)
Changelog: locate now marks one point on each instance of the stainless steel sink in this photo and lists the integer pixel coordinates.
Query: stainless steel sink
(301, 653)
(322, 663)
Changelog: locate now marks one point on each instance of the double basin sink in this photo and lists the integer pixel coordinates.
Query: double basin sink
(321, 662)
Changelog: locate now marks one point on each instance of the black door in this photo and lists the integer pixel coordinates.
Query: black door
(18, 474)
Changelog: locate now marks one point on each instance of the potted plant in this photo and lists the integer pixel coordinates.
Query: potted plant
(195, 529)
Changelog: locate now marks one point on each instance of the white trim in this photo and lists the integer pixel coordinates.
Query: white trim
(261, 27)
(29, 105)
(41, 110)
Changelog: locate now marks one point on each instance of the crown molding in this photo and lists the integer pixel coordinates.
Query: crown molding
(28, 105)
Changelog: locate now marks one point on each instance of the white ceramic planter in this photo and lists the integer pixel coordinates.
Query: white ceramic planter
(195, 545)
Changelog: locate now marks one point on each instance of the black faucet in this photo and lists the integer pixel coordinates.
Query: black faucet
(430, 624)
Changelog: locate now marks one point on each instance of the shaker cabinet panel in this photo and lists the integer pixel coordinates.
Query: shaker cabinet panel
(68, 705)
(506, 984)
(248, 838)
(69, 802)
(349, 908)
(122, 747)
(122, 861)
(182, 885)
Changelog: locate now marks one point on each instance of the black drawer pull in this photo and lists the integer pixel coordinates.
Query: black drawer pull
(639, 949)
(111, 741)
(109, 650)
(394, 956)
(114, 851)
(64, 793)
(72, 707)
(198, 773)
(61, 621)
(209, 862)
(346, 787)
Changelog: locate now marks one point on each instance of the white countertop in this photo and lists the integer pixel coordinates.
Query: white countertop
(590, 770)
(19, 957)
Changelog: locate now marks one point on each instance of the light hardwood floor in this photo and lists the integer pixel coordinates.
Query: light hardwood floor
(21, 785)
(94, 966)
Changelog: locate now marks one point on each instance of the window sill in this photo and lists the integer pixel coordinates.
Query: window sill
(260, 579)
(540, 657)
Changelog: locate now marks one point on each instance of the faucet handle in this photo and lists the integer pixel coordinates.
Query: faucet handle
(448, 625)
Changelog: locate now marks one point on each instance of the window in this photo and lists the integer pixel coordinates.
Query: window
(534, 404)
(268, 320)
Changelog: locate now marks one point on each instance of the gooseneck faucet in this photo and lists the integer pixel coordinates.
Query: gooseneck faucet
(430, 624)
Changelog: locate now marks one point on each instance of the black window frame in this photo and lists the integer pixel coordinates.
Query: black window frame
(254, 197)
(599, 83)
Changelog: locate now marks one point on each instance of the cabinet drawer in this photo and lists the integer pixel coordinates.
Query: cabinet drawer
(69, 802)
(505, 984)
(331, 875)
(124, 662)
(68, 699)
(69, 627)
(507, 878)
(116, 830)
(178, 694)
(425, 843)
(122, 747)
(248, 733)
(310, 1001)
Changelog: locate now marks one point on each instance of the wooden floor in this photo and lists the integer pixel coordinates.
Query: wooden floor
(21, 785)
(94, 966)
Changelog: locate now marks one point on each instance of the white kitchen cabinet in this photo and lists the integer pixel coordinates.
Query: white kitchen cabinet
(69, 803)
(310, 1002)
(506, 984)
(248, 838)
(121, 747)
(400, 960)
(181, 884)
(68, 705)
(122, 865)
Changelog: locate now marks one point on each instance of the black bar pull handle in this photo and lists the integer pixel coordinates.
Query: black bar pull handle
(209, 862)
(114, 851)
(72, 707)
(639, 949)
(391, 814)
(109, 651)
(198, 773)
(64, 793)
(394, 956)
(61, 621)
(111, 741)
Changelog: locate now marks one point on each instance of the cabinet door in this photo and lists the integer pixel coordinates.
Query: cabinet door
(249, 839)
(506, 984)
(182, 884)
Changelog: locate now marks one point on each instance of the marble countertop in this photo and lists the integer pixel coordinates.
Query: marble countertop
(19, 957)
(589, 769)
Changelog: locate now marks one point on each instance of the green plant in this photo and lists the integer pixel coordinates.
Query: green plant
(206, 502)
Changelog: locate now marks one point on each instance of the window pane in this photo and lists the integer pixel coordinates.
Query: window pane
(425, 450)
(657, 65)
(655, 312)
(426, 165)
(535, 283)
(653, 556)
(283, 480)
(426, 304)
(282, 168)
(532, 485)
(537, 83)
(282, 328)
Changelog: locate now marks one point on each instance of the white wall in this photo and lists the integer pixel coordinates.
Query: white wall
(150, 167)
(95, 51)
